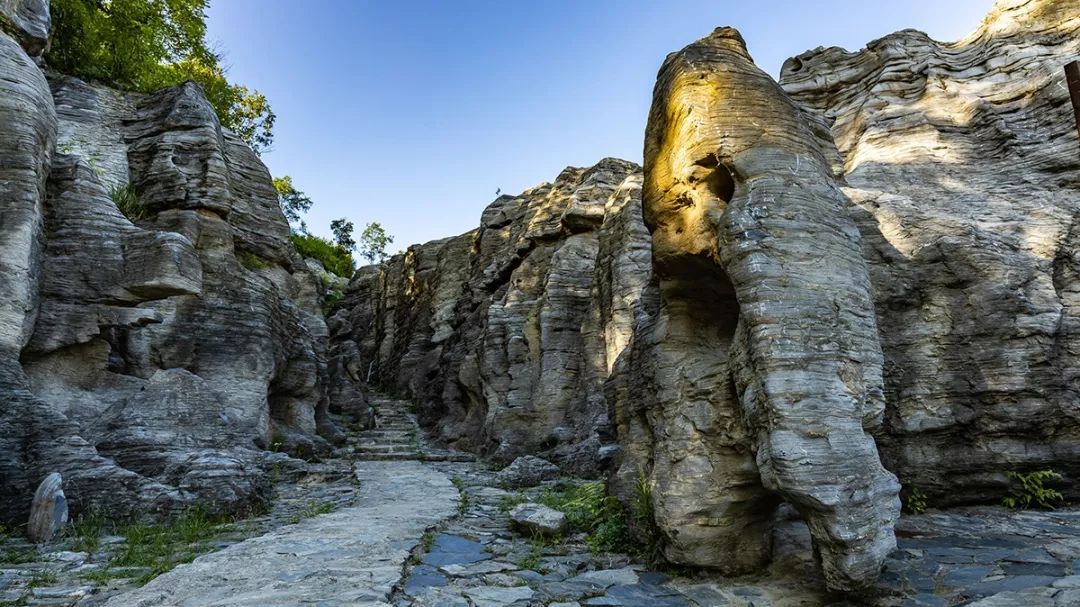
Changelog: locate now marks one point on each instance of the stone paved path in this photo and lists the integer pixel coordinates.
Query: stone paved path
(353, 556)
(406, 537)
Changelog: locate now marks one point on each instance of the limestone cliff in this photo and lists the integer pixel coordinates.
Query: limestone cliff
(864, 274)
(963, 167)
(504, 336)
(149, 359)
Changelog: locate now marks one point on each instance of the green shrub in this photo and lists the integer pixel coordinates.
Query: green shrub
(333, 257)
(916, 501)
(1032, 491)
(590, 510)
(127, 200)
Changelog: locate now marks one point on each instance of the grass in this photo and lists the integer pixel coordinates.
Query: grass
(464, 502)
(42, 578)
(252, 261)
(161, 546)
(507, 502)
(334, 258)
(85, 532)
(311, 509)
(532, 560)
(127, 200)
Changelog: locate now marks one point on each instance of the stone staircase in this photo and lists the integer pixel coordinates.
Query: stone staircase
(397, 436)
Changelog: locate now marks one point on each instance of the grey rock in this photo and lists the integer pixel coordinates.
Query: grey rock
(49, 510)
(759, 270)
(497, 596)
(538, 519)
(527, 471)
(28, 22)
(960, 162)
(503, 336)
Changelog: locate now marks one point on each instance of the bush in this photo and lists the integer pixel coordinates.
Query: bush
(916, 501)
(590, 510)
(127, 200)
(145, 45)
(333, 257)
(1031, 491)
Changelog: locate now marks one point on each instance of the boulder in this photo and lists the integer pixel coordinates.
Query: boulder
(538, 519)
(49, 510)
(527, 471)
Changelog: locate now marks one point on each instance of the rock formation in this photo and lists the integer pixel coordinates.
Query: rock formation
(149, 359)
(765, 321)
(504, 335)
(963, 165)
(864, 273)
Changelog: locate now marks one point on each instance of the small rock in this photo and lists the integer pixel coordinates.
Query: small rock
(527, 471)
(538, 518)
(75, 558)
(49, 511)
(498, 596)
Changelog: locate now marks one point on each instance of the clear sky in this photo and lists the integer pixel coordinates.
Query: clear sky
(414, 113)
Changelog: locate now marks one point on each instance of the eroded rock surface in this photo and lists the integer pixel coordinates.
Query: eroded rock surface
(148, 357)
(963, 167)
(765, 316)
(504, 335)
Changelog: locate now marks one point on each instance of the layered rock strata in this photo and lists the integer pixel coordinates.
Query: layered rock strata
(963, 166)
(504, 335)
(759, 376)
(148, 358)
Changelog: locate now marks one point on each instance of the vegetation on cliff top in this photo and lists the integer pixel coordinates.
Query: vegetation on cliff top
(146, 45)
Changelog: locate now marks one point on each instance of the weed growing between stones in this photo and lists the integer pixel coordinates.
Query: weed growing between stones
(507, 502)
(590, 510)
(42, 578)
(1032, 490)
(127, 200)
(252, 261)
(463, 503)
(916, 502)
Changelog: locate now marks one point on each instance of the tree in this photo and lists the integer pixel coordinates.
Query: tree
(293, 202)
(343, 231)
(373, 241)
(145, 45)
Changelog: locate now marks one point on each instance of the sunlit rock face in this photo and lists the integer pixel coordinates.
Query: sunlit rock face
(503, 336)
(963, 164)
(759, 377)
(149, 363)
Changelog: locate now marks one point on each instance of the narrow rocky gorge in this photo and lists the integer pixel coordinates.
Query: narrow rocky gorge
(817, 301)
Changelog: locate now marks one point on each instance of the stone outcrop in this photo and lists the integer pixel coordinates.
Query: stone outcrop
(150, 358)
(759, 375)
(864, 274)
(504, 335)
(963, 167)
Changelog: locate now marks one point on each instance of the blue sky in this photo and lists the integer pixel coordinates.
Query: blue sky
(414, 113)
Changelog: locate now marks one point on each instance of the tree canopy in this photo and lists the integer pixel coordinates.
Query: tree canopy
(145, 45)
(294, 203)
(373, 242)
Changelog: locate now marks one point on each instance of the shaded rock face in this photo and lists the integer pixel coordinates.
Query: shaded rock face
(963, 167)
(759, 375)
(150, 363)
(505, 335)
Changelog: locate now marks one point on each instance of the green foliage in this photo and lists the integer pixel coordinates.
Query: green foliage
(507, 502)
(536, 552)
(252, 261)
(373, 242)
(333, 257)
(651, 545)
(85, 531)
(42, 578)
(161, 546)
(1032, 491)
(294, 203)
(343, 231)
(330, 301)
(916, 502)
(590, 510)
(464, 502)
(127, 200)
(145, 45)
